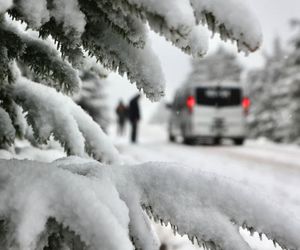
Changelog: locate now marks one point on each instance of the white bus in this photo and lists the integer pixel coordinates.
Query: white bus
(209, 112)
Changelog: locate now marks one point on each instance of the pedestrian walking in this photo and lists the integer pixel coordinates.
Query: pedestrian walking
(134, 117)
(121, 112)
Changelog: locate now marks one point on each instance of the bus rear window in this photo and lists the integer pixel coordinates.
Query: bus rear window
(218, 96)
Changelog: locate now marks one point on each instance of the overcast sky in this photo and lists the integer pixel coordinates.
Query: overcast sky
(274, 16)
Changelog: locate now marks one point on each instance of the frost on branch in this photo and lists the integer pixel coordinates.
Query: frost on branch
(34, 12)
(38, 55)
(208, 207)
(175, 21)
(45, 61)
(115, 32)
(129, 26)
(89, 207)
(52, 113)
(232, 20)
(104, 207)
(141, 65)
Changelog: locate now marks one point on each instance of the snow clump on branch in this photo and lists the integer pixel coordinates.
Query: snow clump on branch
(119, 201)
(116, 33)
(65, 120)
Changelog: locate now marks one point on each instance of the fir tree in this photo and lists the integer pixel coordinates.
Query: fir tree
(221, 65)
(77, 203)
(293, 81)
(263, 86)
(274, 90)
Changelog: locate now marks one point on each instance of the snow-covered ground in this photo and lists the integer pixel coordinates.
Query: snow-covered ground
(273, 169)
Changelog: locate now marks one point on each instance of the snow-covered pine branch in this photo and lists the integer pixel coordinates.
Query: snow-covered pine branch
(51, 113)
(118, 200)
(211, 209)
(44, 60)
(52, 193)
(140, 65)
(131, 27)
(126, 20)
(232, 20)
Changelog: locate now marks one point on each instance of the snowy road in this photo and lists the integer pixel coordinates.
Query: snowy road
(255, 161)
(271, 168)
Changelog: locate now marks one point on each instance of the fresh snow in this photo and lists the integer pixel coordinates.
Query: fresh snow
(52, 113)
(69, 14)
(103, 204)
(272, 170)
(237, 17)
(257, 183)
(36, 11)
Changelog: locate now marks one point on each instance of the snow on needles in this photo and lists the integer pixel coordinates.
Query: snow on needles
(50, 112)
(178, 14)
(87, 206)
(207, 206)
(240, 23)
(36, 11)
(115, 31)
(98, 202)
(68, 13)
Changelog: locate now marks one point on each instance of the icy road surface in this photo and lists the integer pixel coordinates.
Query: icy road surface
(271, 168)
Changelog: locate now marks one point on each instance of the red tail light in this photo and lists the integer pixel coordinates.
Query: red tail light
(246, 104)
(190, 103)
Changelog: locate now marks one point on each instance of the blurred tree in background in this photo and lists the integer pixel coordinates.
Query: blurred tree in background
(92, 97)
(220, 65)
(274, 91)
(262, 87)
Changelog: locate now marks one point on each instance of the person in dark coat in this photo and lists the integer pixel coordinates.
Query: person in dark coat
(134, 116)
(121, 112)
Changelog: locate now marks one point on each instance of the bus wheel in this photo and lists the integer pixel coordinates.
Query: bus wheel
(239, 141)
(189, 141)
(172, 138)
(217, 141)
